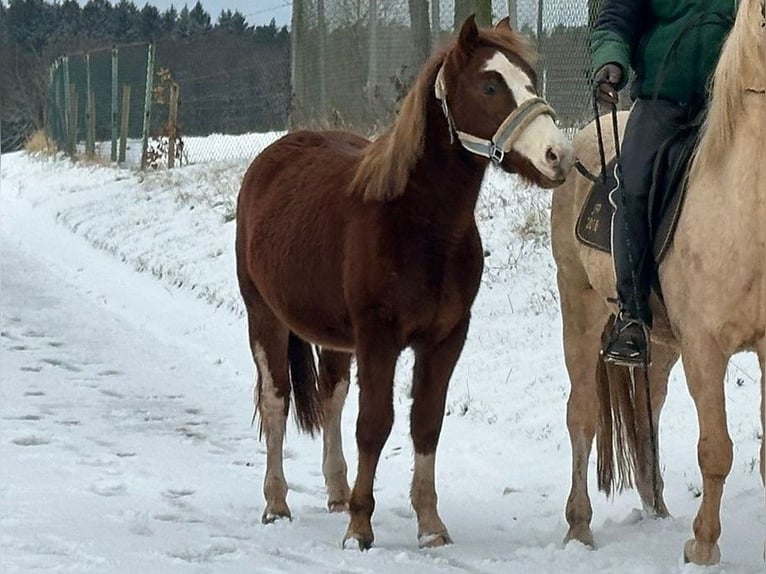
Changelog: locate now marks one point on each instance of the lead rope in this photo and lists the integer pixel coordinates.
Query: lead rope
(656, 494)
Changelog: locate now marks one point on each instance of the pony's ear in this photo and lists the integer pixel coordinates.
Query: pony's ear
(469, 34)
(504, 24)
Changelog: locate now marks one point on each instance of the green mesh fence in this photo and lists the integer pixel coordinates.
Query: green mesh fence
(86, 101)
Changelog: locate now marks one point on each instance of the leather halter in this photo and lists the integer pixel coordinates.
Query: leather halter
(506, 134)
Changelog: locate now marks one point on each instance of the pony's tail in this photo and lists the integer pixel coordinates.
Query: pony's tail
(304, 381)
(616, 442)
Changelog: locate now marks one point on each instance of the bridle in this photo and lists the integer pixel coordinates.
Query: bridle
(506, 134)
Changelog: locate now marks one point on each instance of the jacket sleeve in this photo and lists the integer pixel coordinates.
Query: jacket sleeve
(617, 32)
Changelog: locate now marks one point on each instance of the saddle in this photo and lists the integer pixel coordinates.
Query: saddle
(594, 224)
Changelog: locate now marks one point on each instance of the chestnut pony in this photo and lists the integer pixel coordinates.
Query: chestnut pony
(366, 248)
(713, 281)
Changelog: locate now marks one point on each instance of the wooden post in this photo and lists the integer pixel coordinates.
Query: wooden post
(72, 120)
(115, 109)
(90, 128)
(147, 103)
(124, 122)
(172, 125)
(90, 116)
(67, 102)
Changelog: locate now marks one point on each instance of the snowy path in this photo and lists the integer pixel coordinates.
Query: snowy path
(125, 439)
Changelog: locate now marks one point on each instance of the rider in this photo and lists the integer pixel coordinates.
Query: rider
(672, 46)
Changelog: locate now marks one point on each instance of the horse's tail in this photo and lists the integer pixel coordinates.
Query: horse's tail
(304, 381)
(616, 442)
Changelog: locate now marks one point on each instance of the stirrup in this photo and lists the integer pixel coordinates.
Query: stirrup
(640, 357)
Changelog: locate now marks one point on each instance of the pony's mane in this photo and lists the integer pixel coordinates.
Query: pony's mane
(735, 71)
(385, 166)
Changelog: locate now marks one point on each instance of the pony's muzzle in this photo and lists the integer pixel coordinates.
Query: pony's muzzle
(559, 159)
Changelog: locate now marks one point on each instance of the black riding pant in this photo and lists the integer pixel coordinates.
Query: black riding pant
(650, 123)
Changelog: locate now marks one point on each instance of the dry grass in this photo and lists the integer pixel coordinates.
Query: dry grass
(40, 143)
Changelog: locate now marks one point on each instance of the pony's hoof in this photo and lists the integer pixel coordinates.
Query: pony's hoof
(701, 553)
(271, 516)
(363, 542)
(581, 534)
(337, 506)
(434, 539)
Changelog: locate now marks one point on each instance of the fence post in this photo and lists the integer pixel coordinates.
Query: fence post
(90, 115)
(372, 56)
(72, 143)
(147, 102)
(115, 110)
(67, 103)
(90, 128)
(172, 124)
(124, 122)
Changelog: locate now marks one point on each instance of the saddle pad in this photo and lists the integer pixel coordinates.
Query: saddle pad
(594, 224)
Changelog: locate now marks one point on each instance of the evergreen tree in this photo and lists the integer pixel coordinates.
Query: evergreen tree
(151, 23)
(199, 20)
(69, 20)
(183, 24)
(169, 21)
(97, 19)
(233, 22)
(30, 24)
(126, 22)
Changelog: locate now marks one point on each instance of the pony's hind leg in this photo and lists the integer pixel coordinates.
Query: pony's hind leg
(705, 366)
(334, 372)
(377, 352)
(433, 368)
(268, 344)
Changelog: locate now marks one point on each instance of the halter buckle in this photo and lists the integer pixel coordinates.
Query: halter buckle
(496, 154)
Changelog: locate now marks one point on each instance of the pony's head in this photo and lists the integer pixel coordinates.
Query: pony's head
(488, 91)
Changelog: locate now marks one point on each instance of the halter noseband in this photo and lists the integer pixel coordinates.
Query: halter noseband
(507, 133)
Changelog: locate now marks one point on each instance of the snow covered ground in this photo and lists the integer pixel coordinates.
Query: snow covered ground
(126, 396)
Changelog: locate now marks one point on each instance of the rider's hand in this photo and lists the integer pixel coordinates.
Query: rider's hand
(607, 78)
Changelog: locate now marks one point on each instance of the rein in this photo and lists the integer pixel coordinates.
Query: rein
(506, 134)
(645, 367)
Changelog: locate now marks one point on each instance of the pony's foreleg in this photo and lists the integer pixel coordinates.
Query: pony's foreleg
(334, 370)
(584, 314)
(377, 353)
(433, 368)
(705, 366)
(649, 481)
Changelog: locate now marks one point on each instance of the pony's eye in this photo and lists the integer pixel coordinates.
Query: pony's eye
(490, 89)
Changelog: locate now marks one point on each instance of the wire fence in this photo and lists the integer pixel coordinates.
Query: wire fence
(344, 64)
(353, 60)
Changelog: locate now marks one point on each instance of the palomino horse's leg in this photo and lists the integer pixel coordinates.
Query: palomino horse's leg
(584, 314)
(648, 483)
(705, 366)
(433, 369)
(333, 387)
(268, 343)
(377, 353)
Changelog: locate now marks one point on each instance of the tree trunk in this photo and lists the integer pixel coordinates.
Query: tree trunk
(482, 9)
(421, 30)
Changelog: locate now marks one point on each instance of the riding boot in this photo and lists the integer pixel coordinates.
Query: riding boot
(650, 123)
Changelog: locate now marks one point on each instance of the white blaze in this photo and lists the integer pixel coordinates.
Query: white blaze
(542, 134)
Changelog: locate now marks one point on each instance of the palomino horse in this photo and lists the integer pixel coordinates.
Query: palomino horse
(368, 248)
(713, 281)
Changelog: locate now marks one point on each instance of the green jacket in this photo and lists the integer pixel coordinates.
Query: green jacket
(672, 45)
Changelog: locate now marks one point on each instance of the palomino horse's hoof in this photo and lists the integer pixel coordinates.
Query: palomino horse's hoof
(337, 506)
(701, 553)
(434, 540)
(581, 534)
(270, 517)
